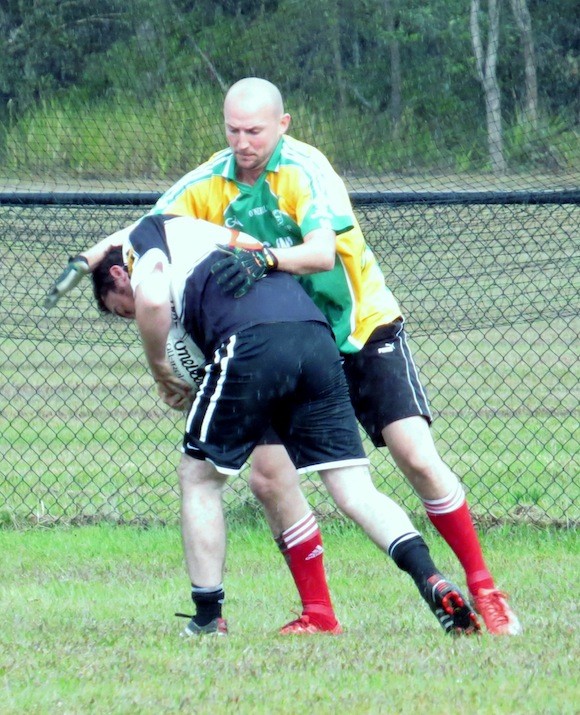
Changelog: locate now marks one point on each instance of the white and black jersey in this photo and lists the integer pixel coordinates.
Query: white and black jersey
(272, 361)
(188, 248)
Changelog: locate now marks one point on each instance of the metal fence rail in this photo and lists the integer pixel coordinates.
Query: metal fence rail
(490, 289)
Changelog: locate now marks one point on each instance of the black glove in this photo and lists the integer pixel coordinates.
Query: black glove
(72, 275)
(242, 267)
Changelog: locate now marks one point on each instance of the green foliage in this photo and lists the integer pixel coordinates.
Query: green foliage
(552, 146)
(46, 44)
(109, 138)
(171, 133)
(331, 58)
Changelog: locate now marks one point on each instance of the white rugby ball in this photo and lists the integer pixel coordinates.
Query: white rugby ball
(185, 358)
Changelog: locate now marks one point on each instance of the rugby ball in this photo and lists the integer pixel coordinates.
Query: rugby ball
(185, 358)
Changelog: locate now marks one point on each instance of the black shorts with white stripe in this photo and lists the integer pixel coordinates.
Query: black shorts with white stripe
(384, 381)
(282, 375)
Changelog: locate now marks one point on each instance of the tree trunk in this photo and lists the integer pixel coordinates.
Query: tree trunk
(524, 22)
(333, 19)
(486, 64)
(395, 102)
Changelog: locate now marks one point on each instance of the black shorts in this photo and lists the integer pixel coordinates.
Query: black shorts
(384, 381)
(284, 375)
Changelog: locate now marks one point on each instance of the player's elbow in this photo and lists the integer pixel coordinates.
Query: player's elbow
(326, 262)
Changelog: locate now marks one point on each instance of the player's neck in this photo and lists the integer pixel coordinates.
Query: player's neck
(248, 176)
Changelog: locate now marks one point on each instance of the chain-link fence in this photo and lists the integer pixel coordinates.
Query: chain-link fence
(490, 288)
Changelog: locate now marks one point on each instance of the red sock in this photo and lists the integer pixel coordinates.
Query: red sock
(302, 547)
(452, 519)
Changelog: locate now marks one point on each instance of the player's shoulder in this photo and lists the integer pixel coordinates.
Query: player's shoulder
(215, 165)
(299, 153)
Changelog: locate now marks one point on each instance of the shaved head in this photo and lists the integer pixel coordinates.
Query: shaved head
(252, 94)
(255, 121)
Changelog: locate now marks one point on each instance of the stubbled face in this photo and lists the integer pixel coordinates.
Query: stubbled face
(253, 131)
(121, 302)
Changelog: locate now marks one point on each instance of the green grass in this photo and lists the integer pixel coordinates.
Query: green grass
(88, 627)
(72, 137)
(166, 135)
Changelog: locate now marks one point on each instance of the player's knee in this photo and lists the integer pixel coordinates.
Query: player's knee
(184, 473)
(272, 473)
(431, 475)
(347, 505)
(355, 507)
(346, 499)
(418, 472)
(196, 474)
(353, 493)
(266, 485)
(259, 485)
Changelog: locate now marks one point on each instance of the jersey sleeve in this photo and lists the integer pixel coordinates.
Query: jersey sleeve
(195, 193)
(319, 196)
(147, 247)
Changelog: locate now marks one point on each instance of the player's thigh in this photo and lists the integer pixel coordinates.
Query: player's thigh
(198, 474)
(270, 461)
(384, 382)
(319, 425)
(233, 408)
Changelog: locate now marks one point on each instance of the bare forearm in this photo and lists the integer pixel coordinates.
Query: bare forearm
(95, 254)
(154, 326)
(316, 254)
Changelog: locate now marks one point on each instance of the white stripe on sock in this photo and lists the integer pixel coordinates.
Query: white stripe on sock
(301, 531)
(453, 501)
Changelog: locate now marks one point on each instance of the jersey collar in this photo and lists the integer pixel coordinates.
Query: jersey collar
(229, 170)
(274, 161)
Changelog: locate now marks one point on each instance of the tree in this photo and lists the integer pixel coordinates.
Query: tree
(333, 15)
(524, 24)
(486, 65)
(45, 44)
(396, 99)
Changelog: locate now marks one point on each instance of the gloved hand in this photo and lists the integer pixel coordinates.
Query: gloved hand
(77, 268)
(242, 267)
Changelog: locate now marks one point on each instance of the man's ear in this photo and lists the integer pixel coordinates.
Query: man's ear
(119, 274)
(284, 123)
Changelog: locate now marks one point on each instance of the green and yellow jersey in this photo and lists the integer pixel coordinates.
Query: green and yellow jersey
(298, 192)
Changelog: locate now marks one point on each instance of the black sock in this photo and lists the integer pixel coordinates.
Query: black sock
(413, 557)
(208, 603)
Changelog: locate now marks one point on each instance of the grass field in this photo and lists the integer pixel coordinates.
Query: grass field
(88, 627)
